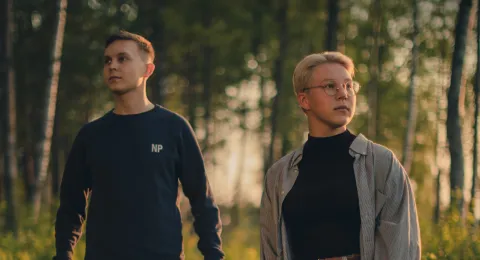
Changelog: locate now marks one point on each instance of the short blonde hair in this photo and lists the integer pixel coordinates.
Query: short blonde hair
(303, 70)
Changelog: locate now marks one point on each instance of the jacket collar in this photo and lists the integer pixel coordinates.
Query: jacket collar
(358, 146)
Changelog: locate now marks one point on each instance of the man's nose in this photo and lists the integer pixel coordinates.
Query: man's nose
(113, 65)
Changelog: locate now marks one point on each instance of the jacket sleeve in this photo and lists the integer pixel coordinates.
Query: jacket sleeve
(192, 175)
(398, 232)
(268, 230)
(74, 191)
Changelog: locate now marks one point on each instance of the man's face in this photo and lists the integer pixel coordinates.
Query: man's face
(125, 67)
(331, 111)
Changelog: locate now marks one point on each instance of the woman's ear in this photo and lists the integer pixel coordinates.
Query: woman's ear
(303, 101)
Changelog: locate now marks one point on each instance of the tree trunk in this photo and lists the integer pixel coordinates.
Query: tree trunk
(332, 25)
(438, 186)
(44, 144)
(3, 90)
(27, 157)
(2, 165)
(408, 146)
(56, 178)
(382, 49)
(278, 76)
(207, 77)
(259, 10)
(28, 167)
(372, 87)
(191, 92)
(10, 159)
(454, 131)
(236, 209)
(286, 144)
(463, 88)
(160, 63)
(440, 110)
(476, 91)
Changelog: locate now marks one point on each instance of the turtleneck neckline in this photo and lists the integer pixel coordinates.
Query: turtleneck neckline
(331, 145)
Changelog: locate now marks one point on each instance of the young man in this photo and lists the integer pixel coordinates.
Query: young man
(339, 196)
(131, 161)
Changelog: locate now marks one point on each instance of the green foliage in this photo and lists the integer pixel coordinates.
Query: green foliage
(449, 239)
(34, 241)
(37, 242)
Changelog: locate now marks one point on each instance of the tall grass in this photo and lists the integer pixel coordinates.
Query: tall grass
(450, 239)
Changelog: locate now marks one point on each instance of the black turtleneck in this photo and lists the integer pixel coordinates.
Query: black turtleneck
(321, 211)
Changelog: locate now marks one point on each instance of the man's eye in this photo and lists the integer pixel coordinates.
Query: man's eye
(330, 85)
(122, 59)
(107, 61)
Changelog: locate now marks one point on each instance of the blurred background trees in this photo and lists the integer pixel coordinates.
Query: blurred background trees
(227, 67)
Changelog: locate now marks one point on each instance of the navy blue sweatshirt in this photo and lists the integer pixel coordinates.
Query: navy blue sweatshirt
(130, 167)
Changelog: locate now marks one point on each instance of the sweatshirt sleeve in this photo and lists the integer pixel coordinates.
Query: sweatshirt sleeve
(207, 223)
(74, 191)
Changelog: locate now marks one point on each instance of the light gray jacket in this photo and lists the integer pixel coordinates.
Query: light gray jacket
(389, 222)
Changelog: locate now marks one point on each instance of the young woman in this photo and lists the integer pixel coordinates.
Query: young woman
(339, 196)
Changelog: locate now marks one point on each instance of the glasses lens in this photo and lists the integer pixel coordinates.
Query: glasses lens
(356, 87)
(352, 88)
(331, 89)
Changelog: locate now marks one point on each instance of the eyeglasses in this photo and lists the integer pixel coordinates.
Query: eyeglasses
(331, 88)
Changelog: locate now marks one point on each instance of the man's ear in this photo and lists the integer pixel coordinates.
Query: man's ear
(149, 70)
(303, 101)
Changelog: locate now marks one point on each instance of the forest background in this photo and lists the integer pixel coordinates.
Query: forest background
(227, 67)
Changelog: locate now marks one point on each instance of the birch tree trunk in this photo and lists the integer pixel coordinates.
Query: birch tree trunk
(476, 91)
(44, 144)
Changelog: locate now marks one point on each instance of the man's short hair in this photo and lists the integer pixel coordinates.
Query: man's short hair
(142, 43)
(303, 71)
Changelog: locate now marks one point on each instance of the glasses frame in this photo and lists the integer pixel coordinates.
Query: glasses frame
(355, 88)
